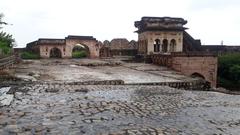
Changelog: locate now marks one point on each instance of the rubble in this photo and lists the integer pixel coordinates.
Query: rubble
(5, 99)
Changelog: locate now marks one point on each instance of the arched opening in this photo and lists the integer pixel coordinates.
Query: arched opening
(165, 45)
(80, 51)
(157, 45)
(197, 75)
(205, 85)
(173, 45)
(55, 53)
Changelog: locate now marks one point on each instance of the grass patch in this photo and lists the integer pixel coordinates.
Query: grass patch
(79, 54)
(29, 55)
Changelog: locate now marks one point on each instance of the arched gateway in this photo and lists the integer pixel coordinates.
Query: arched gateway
(80, 51)
(63, 48)
(55, 53)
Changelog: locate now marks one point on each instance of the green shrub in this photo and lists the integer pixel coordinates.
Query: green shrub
(5, 50)
(229, 70)
(6, 40)
(29, 55)
(79, 54)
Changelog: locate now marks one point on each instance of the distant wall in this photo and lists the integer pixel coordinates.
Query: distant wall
(118, 47)
(220, 49)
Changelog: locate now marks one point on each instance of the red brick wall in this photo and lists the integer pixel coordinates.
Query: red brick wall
(206, 66)
(188, 65)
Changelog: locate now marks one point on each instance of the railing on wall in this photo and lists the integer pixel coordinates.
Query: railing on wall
(7, 62)
(162, 60)
(193, 54)
(167, 59)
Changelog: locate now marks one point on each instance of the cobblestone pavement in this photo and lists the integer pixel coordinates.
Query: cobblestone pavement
(118, 110)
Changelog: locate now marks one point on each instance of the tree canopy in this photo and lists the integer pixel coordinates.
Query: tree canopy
(229, 71)
(6, 40)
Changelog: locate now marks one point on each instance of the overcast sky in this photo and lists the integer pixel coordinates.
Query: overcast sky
(209, 20)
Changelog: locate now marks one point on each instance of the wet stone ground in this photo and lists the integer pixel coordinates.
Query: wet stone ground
(118, 110)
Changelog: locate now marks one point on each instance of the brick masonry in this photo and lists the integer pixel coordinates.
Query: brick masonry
(204, 65)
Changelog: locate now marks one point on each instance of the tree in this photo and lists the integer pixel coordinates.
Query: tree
(6, 40)
(1, 22)
(229, 71)
(235, 72)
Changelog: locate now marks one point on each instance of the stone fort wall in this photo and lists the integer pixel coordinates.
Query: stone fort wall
(203, 65)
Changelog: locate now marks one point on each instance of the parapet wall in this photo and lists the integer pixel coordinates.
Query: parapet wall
(188, 85)
(191, 64)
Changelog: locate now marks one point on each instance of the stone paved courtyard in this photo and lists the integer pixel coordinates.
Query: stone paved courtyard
(70, 70)
(54, 107)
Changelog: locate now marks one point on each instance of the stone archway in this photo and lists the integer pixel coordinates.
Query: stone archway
(197, 75)
(55, 53)
(165, 45)
(157, 45)
(173, 45)
(205, 84)
(80, 51)
(91, 44)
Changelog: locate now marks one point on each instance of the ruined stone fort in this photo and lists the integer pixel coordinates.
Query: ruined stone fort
(161, 40)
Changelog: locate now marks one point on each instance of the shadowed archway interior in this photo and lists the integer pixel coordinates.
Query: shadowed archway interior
(165, 45)
(197, 75)
(55, 53)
